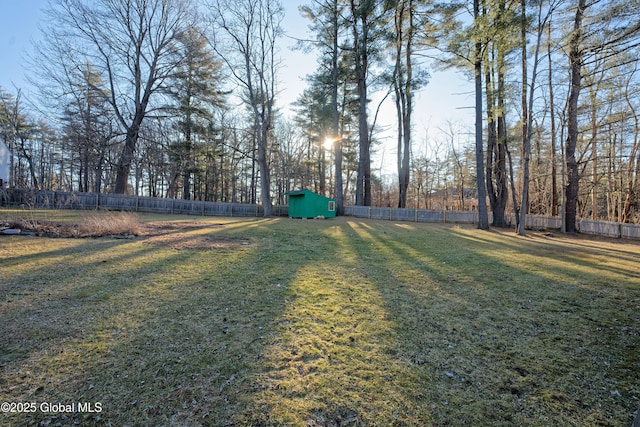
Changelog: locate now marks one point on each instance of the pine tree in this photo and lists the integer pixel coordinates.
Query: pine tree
(195, 88)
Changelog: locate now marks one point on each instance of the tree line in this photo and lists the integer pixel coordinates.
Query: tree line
(175, 98)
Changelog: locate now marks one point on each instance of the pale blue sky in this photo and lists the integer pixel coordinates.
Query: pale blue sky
(19, 26)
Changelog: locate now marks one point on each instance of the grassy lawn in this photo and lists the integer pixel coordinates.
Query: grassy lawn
(345, 322)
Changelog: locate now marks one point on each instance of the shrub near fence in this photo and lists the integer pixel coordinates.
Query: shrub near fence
(71, 200)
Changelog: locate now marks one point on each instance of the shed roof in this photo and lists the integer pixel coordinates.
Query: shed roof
(301, 193)
(297, 193)
(306, 192)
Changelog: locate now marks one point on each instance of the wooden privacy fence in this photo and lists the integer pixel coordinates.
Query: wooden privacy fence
(609, 229)
(415, 215)
(533, 222)
(72, 200)
(123, 202)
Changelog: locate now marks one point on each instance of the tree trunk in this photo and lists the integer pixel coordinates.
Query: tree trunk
(483, 217)
(337, 141)
(492, 133)
(265, 178)
(124, 163)
(496, 144)
(402, 82)
(359, 13)
(363, 183)
(573, 177)
(30, 163)
(593, 96)
(527, 117)
(552, 112)
(631, 199)
(188, 161)
(502, 195)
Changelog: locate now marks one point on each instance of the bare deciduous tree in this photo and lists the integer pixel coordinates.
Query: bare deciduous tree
(131, 43)
(245, 34)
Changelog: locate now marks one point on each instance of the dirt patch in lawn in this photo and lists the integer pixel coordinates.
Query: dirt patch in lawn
(191, 236)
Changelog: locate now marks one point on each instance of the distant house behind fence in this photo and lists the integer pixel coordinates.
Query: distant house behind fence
(5, 164)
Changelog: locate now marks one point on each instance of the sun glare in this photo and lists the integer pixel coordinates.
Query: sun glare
(328, 143)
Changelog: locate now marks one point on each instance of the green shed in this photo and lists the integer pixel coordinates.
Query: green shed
(307, 204)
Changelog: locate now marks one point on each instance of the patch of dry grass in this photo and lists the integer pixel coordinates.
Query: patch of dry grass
(98, 224)
(321, 323)
(110, 223)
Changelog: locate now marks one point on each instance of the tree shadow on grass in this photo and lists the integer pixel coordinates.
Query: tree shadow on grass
(130, 332)
(342, 322)
(329, 359)
(507, 345)
(386, 328)
(579, 250)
